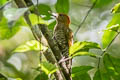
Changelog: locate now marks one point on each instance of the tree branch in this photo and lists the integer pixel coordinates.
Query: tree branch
(48, 54)
(50, 57)
(22, 4)
(85, 17)
(56, 51)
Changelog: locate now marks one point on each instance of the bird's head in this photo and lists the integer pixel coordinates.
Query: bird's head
(62, 18)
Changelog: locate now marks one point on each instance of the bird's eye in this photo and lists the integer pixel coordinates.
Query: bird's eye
(60, 14)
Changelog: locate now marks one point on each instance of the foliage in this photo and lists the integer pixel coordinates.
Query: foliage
(80, 73)
(11, 22)
(116, 8)
(34, 19)
(77, 71)
(82, 49)
(109, 35)
(8, 31)
(101, 75)
(62, 6)
(2, 77)
(2, 2)
(29, 46)
(48, 68)
(42, 76)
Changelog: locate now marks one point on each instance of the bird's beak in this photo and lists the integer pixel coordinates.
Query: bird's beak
(53, 14)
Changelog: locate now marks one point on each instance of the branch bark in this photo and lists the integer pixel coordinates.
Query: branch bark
(48, 54)
(56, 51)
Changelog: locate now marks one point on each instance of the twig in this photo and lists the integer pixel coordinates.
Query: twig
(82, 5)
(64, 60)
(107, 49)
(85, 17)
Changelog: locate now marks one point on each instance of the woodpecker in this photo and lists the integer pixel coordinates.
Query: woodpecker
(63, 34)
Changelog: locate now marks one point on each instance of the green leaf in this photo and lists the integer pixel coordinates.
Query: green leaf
(82, 46)
(34, 19)
(48, 68)
(42, 76)
(115, 28)
(84, 76)
(2, 2)
(2, 77)
(77, 71)
(100, 75)
(13, 14)
(7, 31)
(1, 14)
(51, 25)
(43, 10)
(116, 8)
(10, 71)
(62, 6)
(108, 36)
(29, 46)
(18, 79)
(84, 54)
(112, 66)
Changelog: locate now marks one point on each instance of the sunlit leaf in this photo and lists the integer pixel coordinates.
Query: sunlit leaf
(76, 71)
(112, 66)
(13, 14)
(115, 28)
(108, 36)
(62, 6)
(100, 75)
(34, 19)
(84, 54)
(18, 79)
(82, 46)
(116, 8)
(48, 68)
(3, 2)
(7, 31)
(14, 79)
(29, 46)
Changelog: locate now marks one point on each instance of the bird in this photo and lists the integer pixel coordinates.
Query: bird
(63, 35)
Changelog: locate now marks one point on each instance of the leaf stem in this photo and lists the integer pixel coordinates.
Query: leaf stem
(107, 49)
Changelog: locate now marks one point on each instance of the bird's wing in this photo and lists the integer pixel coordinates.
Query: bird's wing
(69, 35)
